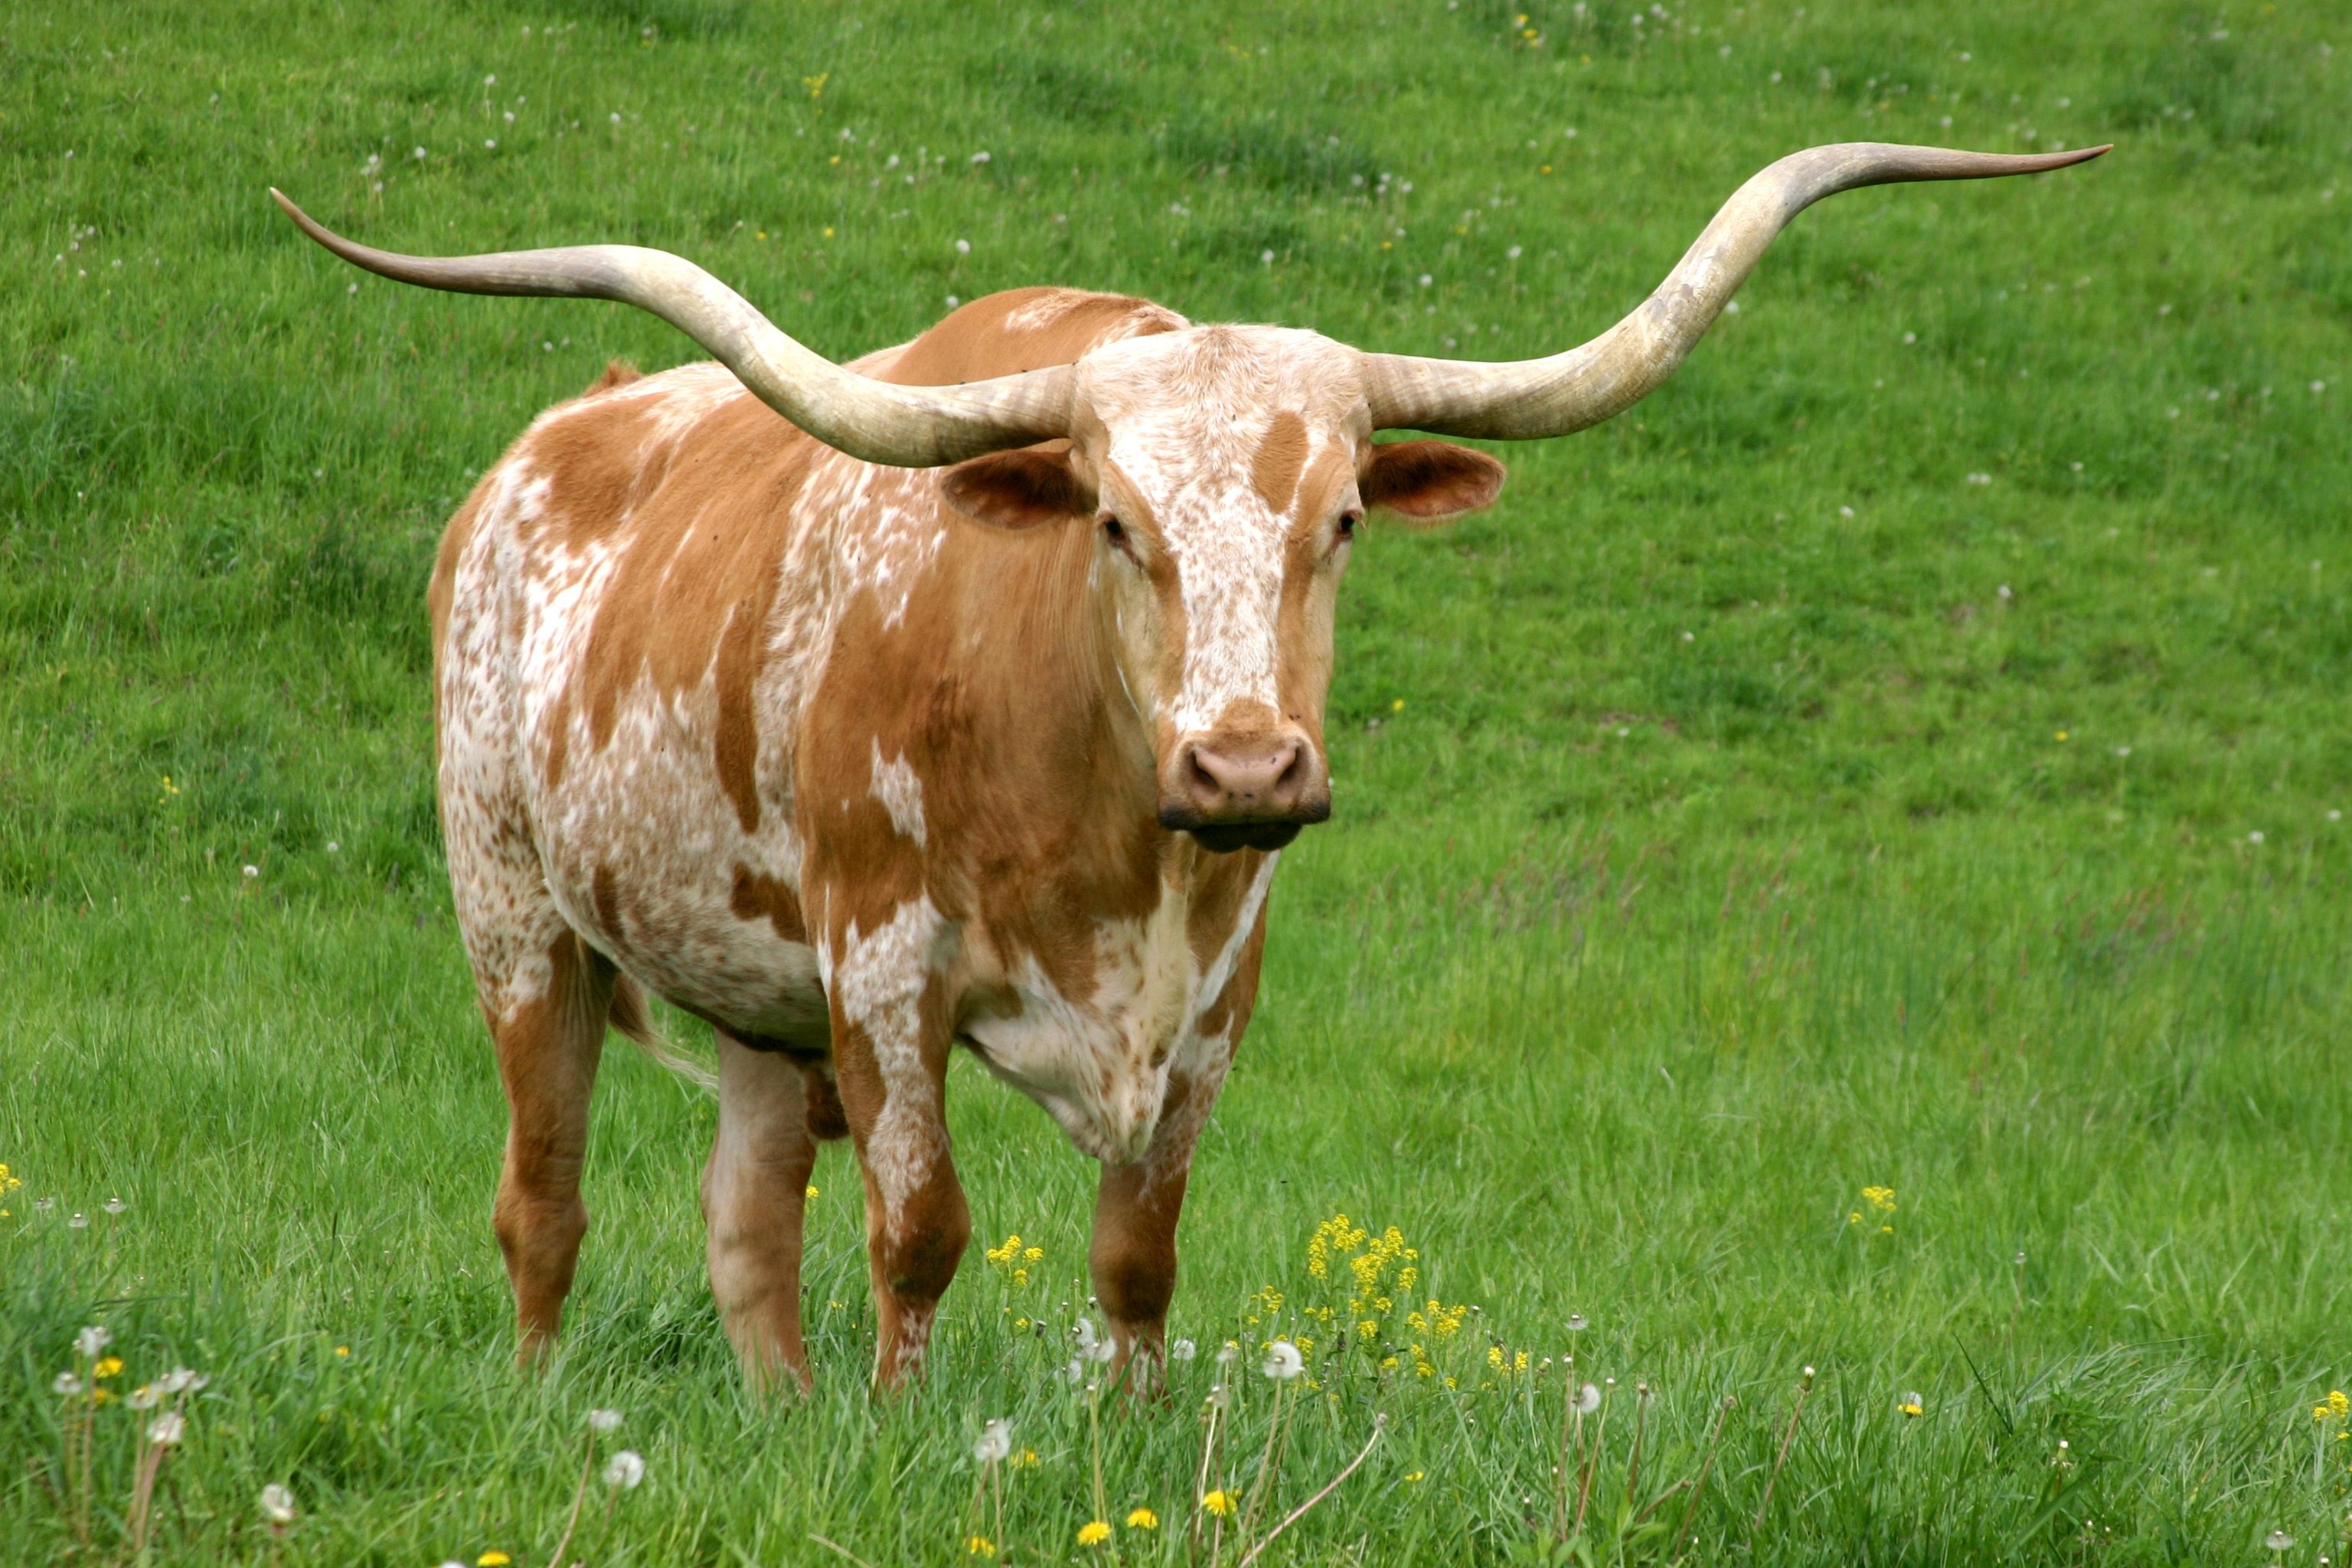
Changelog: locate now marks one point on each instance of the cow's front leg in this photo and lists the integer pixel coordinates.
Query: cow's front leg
(1133, 1255)
(890, 1045)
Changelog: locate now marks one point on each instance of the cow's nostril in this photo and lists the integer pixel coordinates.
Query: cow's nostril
(1201, 775)
(1289, 772)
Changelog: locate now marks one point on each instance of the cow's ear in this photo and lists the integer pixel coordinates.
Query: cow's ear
(1018, 489)
(1429, 481)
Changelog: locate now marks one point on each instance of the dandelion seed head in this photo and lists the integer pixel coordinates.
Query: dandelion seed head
(276, 1504)
(624, 1470)
(601, 1420)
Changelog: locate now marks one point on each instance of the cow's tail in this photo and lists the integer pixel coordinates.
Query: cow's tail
(630, 1017)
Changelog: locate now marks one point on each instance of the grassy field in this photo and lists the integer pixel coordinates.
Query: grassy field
(1904, 753)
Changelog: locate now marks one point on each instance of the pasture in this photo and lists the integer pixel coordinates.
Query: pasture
(1906, 752)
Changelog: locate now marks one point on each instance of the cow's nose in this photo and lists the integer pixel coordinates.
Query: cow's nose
(1258, 777)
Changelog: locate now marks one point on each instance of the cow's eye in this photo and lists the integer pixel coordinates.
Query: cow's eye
(1114, 533)
(1347, 521)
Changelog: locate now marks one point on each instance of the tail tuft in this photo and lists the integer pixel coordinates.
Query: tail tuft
(629, 1016)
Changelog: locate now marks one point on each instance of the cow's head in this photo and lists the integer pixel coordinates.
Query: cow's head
(1223, 468)
(1224, 472)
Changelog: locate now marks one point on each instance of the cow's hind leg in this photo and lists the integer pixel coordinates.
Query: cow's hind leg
(771, 1111)
(548, 1047)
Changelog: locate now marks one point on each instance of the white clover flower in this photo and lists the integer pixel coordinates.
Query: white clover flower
(276, 1504)
(92, 1341)
(67, 1384)
(604, 1420)
(166, 1430)
(995, 1442)
(1282, 1362)
(1588, 1400)
(624, 1470)
(1183, 1350)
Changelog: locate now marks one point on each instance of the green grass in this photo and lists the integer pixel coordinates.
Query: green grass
(1725, 856)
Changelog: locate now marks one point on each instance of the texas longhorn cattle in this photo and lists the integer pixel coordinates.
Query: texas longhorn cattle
(966, 694)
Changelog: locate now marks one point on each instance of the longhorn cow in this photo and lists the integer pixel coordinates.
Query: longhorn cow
(963, 695)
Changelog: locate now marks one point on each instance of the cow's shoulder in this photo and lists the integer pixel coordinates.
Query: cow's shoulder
(1018, 329)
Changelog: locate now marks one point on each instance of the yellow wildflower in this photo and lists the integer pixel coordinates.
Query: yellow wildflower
(1909, 1404)
(1094, 1532)
(108, 1366)
(1142, 1518)
(1880, 1198)
(1033, 1254)
(1219, 1502)
(1026, 1459)
(980, 1546)
(2335, 1408)
(343, 1349)
(493, 1558)
(1416, 1476)
(101, 1396)
(811, 1192)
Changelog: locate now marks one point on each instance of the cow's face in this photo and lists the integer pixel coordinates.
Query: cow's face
(1224, 472)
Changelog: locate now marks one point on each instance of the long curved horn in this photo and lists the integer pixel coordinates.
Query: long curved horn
(1526, 399)
(906, 427)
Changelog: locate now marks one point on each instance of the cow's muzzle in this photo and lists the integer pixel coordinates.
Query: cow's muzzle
(1253, 789)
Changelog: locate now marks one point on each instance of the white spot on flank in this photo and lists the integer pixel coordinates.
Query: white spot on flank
(900, 791)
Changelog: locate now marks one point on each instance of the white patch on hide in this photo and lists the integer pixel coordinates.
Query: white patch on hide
(900, 791)
(878, 982)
